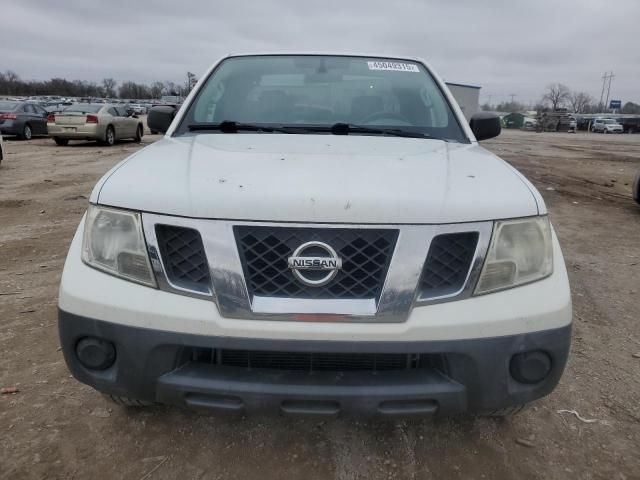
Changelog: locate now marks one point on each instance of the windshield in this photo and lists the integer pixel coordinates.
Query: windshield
(610, 122)
(84, 108)
(8, 106)
(321, 91)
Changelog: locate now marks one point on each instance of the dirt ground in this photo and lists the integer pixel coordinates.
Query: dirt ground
(54, 427)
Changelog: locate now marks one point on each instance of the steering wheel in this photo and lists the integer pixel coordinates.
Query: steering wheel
(381, 114)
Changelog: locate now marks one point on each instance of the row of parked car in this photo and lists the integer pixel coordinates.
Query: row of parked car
(102, 122)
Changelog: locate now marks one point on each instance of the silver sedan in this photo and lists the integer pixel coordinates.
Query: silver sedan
(94, 121)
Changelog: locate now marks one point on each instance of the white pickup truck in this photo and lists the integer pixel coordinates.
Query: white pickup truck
(323, 235)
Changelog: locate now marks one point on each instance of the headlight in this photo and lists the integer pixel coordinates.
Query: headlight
(520, 252)
(113, 242)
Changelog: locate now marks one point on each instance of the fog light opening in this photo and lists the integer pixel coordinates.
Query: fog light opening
(530, 367)
(95, 353)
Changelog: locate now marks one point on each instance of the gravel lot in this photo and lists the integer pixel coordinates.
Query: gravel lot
(54, 427)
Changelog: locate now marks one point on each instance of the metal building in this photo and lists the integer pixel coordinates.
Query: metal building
(467, 96)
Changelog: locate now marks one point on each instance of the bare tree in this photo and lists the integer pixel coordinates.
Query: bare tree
(556, 95)
(133, 90)
(580, 101)
(11, 82)
(170, 88)
(156, 89)
(631, 107)
(511, 106)
(109, 87)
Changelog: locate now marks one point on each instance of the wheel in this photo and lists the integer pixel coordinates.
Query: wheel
(139, 133)
(126, 401)
(110, 136)
(507, 411)
(61, 141)
(26, 132)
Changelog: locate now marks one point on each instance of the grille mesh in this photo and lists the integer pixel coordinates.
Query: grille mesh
(183, 257)
(448, 263)
(365, 254)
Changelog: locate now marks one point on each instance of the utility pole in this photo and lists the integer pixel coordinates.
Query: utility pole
(611, 75)
(512, 95)
(605, 77)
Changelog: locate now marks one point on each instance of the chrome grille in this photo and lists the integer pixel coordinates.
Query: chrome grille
(183, 256)
(407, 279)
(365, 254)
(448, 263)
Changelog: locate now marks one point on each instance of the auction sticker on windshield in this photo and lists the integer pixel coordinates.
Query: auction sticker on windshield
(396, 66)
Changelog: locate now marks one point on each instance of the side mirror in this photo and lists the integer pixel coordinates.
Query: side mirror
(485, 125)
(160, 118)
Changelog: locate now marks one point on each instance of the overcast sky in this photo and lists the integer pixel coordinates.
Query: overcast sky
(504, 46)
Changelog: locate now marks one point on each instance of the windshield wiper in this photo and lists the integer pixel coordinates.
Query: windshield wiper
(347, 128)
(234, 127)
(335, 129)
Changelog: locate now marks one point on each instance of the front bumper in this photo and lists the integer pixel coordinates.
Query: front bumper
(471, 341)
(158, 366)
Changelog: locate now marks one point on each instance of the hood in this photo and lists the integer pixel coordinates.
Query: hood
(318, 178)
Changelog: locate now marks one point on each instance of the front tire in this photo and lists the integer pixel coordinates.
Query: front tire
(110, 137)
(139, 133)
(61, 142)
(27, 133)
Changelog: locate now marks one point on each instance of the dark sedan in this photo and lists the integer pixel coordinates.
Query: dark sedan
(22, 119)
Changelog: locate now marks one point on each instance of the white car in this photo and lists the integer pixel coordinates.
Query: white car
(138, 109)
(606, 125)
(103, 122)
(317, 234)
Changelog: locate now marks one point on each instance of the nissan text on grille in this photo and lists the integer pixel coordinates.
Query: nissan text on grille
(317, 234)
